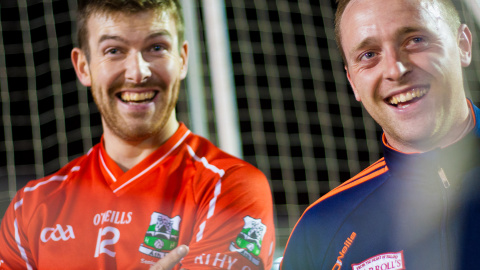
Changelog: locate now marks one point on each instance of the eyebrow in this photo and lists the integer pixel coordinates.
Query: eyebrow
(151, 36)
(110, 37)
(365, 43)
(163, 33)
(409, 29)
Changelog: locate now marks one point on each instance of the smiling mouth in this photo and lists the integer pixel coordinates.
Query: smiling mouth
(136, 97)
(406, 98)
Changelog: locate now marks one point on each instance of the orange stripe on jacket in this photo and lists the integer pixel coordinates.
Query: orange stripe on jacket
(369, 173)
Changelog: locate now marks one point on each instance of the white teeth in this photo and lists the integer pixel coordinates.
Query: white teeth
(404, 97)
(136, 97)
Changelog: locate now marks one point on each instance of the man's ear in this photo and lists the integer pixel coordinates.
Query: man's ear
(464, 39)
(184, 60)
(80, 64)
(355, 92)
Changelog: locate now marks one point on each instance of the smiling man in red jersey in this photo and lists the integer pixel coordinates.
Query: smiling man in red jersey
(417, 207)
(151, 193)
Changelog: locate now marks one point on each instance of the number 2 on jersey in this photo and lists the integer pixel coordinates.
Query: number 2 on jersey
(102, 244)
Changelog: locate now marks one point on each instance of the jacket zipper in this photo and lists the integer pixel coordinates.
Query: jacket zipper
(444, 178)
(444, 240)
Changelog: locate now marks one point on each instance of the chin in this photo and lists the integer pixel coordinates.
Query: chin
(134, 133)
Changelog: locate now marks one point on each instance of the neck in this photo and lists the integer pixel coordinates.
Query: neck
(456, 133)
(467, 128)
(128, 153)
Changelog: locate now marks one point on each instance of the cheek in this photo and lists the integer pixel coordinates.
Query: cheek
(167, 69)
(438, 62)
(363, 86)
(108, 76)
(429, 64)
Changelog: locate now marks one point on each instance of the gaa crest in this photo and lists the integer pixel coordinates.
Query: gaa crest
(161, 236)
(249, 240)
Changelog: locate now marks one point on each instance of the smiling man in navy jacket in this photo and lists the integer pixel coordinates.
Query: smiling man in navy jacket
(418, 206)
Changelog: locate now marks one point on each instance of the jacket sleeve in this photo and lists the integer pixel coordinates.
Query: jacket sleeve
(298, 251)
(235, 228)
(14, 248)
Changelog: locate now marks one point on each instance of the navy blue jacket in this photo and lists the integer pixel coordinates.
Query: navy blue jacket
(406, 211)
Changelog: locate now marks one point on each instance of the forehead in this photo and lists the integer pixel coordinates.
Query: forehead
(363, 18)
(131, 25)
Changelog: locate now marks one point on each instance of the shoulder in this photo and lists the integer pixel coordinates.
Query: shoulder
(329, 212)
(56, 178)
(321, 221)
(213, 159)
(41, 189)
(351, 192)
(214, 167)
(362, 182)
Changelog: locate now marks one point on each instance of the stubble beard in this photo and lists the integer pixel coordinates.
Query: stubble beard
(124, 130)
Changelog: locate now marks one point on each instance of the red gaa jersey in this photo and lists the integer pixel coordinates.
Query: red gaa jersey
(92, 215)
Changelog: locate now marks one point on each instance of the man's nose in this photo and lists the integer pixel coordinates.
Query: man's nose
(396, 66)
(137, 69)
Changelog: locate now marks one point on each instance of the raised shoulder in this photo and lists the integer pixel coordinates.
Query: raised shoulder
(321, 221)
(376, 169)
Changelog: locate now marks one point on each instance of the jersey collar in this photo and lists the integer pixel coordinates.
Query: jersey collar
(119, 180)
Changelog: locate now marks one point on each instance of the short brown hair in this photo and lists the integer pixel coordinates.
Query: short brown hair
(449, 12)
(88, 7)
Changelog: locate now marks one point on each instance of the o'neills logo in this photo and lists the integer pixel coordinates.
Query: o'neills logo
(347, 244)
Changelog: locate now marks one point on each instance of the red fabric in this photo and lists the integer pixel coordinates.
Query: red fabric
(92, 215)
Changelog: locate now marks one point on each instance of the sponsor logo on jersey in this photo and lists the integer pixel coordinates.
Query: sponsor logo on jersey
(249, 240)
(390, 261)
(346, 245)
(161, 236)
(112, 216)
(57, 233)
(221, 260)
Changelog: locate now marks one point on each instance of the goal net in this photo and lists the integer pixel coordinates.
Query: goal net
(298, 119)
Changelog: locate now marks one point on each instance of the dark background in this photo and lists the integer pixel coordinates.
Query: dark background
(299, 122)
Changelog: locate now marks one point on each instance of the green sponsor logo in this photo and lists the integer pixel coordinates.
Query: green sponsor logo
(251, 236)
(161, 235)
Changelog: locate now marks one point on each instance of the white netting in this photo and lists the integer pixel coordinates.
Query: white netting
(299, 121)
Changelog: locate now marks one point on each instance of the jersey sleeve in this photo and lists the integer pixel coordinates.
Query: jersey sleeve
(14, 249)
(235, 228)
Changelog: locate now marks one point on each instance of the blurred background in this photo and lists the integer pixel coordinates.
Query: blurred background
(273, 92)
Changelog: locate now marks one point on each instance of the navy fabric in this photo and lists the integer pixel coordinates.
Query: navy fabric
(424, 206)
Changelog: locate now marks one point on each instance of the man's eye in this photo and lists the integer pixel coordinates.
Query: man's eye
(112, 51)
(158, 48)
(417, 39)
(417, 43)
(367, 55)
